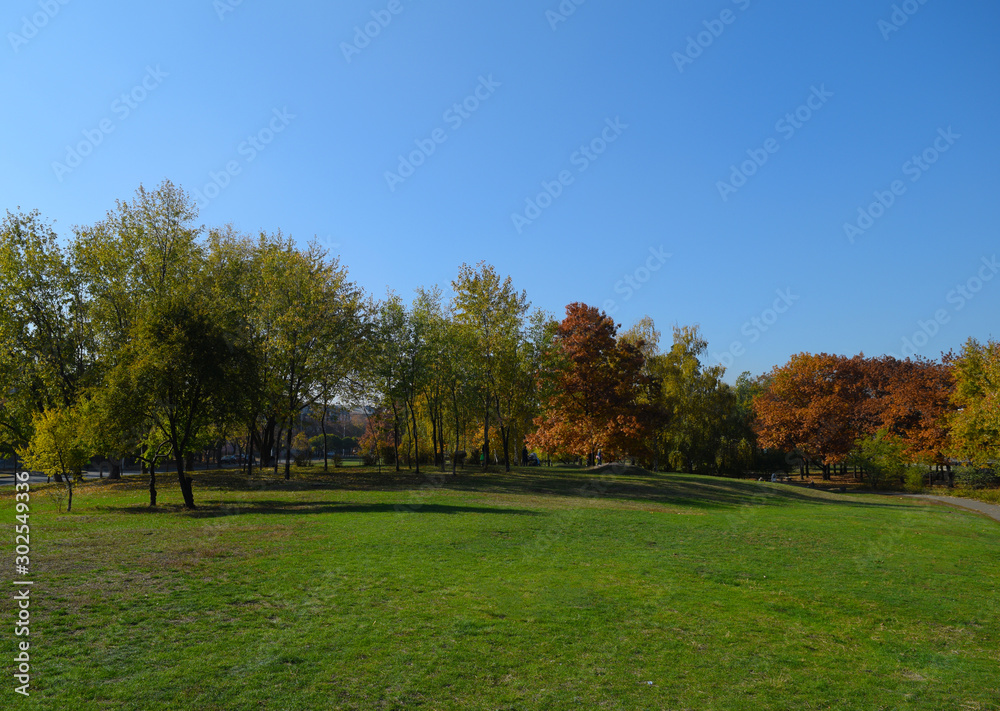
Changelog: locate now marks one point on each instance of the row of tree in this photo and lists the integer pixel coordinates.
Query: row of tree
(147, 335)
(831, 409)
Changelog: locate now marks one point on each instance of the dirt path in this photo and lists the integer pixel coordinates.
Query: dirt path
(991, 510)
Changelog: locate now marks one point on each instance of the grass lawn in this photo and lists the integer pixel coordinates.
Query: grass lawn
(541, 589)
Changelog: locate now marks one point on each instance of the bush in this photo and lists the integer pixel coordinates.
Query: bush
(370, 459)
(913, 479)
(972, 478)
(881, 457)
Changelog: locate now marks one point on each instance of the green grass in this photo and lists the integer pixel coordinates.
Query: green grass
(542, 589)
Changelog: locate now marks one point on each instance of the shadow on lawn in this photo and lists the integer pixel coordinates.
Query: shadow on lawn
(704, 492)
(242, 508)
(674, 489)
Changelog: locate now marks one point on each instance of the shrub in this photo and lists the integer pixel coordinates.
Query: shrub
(881, 457)
(972, 478)
(913, 479)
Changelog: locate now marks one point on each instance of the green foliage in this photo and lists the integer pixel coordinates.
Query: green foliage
(47, 358)
(913, 478)
(881, 457)
(976, 424)
(703, 432)
(976, 478)
(57, 447)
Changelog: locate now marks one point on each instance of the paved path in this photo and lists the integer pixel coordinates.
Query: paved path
(991, 510)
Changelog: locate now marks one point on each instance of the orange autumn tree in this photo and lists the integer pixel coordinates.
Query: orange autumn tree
(813, 405)
(911, 401)
(590, 385)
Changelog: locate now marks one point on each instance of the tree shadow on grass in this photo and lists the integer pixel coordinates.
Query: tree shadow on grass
(690, 490)
(243, 508)
(700, 492)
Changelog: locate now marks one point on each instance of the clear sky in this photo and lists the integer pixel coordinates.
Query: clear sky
(701, 159)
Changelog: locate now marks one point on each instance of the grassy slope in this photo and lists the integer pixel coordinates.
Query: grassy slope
(541, 590)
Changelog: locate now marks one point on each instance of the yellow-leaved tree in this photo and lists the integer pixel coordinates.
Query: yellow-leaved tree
(57, 447)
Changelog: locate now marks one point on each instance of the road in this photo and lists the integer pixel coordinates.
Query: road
(991, 510)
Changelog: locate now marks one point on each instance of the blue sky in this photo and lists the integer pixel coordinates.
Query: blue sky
(631, 114)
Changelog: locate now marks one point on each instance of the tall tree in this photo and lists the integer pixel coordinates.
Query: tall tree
(976, 424)
(190, 372)
(56, 447)
(146, 252)
(493, 310)
(303, 305)
(815, 405)
(700, 406)
(44, 325)
(591, 405)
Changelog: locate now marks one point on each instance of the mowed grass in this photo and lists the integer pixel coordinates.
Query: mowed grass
(541, 589)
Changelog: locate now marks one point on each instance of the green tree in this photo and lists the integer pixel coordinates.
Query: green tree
(880, 456)
(304, 308)
(493, 312)
(975, 427)
(56, 448)
(700, 404)
(48, 354)
(189, 372)
(146, 252)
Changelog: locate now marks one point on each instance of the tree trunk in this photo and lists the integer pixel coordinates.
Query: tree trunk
(434, 438)
(322, 426)
(395, 433)
(152, 484)
(288, 454)
(458, 434)
(185, 482)
(116, 469)
(441, 435)
(486, 438)
(275, 452)
(267, 442)
(416, 443)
